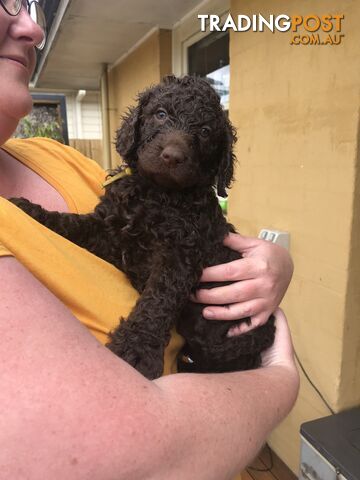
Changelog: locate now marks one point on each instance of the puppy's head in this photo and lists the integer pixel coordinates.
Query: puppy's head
(179, 136)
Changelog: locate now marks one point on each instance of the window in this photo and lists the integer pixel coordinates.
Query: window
(47, 119)
(209, 58)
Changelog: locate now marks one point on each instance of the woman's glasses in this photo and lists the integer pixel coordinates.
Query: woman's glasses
(13, 7)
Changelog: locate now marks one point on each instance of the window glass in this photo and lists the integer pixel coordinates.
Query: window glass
(209, 58)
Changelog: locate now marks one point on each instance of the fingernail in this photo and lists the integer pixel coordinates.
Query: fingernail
(208, 313)
(234, 332)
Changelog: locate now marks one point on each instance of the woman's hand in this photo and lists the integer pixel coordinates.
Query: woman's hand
(260, 279)
(281, 353)
(281, 356)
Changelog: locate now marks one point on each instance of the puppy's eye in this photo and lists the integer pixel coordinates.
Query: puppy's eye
(205, 131)
(161, 114)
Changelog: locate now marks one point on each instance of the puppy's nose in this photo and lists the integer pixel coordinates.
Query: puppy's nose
(172, 156)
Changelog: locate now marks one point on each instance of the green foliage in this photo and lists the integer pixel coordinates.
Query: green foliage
(47, 129)
(40, 123)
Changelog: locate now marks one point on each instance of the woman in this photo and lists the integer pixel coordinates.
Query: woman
(68, 407)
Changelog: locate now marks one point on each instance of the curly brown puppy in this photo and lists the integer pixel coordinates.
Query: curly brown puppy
(162, 225)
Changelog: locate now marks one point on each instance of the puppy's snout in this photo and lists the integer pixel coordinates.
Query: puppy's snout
(172, 155)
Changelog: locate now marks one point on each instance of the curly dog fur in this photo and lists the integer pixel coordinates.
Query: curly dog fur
(162, 225)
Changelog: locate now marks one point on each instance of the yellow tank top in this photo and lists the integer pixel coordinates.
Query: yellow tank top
(95, 291)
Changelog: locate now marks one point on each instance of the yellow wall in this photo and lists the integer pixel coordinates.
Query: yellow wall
(296, 109)
(350, 379)
(146, 65)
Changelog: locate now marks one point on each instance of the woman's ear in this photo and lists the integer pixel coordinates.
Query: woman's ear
(226, 166)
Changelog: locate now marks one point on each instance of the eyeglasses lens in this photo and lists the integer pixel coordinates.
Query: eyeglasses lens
(13, 7)
(37, 15)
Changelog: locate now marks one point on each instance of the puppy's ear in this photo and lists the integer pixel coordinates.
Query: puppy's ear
(127, 133)
(126, 141)
(226, 166)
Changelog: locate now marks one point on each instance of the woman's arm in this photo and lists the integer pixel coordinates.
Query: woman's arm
(260, 279)
(70, 409)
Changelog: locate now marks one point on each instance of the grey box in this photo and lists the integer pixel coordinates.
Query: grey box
(330, 447)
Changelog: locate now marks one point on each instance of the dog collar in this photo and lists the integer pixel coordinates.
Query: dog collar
(116, 177)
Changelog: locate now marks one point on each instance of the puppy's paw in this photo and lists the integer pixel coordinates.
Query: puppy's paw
(139, 351)
(22, 203)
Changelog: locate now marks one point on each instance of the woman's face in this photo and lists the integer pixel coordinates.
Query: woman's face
(18, 37)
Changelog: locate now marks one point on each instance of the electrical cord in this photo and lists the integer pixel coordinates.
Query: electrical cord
(270, 467)
(312, 383)
(266, 469)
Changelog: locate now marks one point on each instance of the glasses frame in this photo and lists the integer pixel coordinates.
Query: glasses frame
(41, 45)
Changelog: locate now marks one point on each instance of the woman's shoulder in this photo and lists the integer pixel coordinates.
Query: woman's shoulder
(40, 149)
(77, 178)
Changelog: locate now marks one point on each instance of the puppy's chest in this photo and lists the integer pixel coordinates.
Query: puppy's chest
(160, 232)
(145, 226)
(160, 227)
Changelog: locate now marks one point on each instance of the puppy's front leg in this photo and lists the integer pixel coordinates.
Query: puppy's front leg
(142, 338)
(84, 230)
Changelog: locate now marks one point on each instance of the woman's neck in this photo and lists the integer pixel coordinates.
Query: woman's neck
(8, 125)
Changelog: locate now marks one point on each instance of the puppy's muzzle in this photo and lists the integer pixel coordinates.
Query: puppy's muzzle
(172, 155)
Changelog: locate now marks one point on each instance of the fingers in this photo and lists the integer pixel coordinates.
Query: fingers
(256, 321)
(283, 338)
(282, 351)
(260, 280)
(242, 269)
(233, 311)
(234, 293)
(240, 243)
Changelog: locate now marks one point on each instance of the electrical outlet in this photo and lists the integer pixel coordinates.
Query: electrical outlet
(276, 236)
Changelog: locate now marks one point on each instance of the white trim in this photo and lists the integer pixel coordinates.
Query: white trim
(50, 40)
(65, 91)
(78, 113)
(194, 38)
(133, 48)
(187, 31)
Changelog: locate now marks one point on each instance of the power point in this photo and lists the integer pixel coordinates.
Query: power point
(276, 236)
